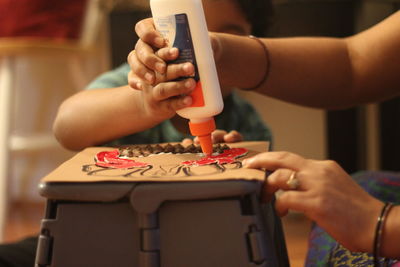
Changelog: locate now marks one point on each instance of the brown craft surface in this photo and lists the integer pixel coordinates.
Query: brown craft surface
(165, 168)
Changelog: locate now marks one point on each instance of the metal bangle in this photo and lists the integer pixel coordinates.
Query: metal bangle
(378, 232)
(267, 63)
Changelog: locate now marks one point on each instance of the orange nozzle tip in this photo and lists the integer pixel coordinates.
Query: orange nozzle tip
(202, 128)
(206, 144)
(203, 131)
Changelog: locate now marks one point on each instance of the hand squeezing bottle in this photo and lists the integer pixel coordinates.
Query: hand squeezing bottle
(183, 25)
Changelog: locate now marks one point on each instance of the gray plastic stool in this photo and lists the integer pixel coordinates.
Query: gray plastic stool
(183, 224)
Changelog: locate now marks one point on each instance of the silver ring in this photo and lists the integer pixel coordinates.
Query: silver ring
(293, 182)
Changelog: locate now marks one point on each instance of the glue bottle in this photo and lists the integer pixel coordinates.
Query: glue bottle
(183, 25)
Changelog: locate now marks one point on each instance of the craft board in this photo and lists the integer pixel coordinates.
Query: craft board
(166, 167)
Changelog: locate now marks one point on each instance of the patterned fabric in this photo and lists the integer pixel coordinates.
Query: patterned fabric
(325, 251)
(237, 115)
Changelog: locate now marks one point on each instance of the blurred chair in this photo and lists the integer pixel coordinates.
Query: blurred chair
(36, 74)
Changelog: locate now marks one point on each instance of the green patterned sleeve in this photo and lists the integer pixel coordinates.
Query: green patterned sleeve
(114, 78)
(240, 115)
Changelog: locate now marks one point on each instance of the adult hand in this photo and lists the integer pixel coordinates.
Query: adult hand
(325, 193)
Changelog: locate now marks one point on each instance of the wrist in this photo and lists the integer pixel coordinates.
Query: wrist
(241, 61)
(267, 64)
(367, 214)
(380, 226)
(154, 117)
(142, 115)
(390, 234)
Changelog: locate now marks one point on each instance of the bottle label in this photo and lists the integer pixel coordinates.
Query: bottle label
(175, 29)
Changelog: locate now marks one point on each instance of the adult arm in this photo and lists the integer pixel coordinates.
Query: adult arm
(317, 71)
(311, 71)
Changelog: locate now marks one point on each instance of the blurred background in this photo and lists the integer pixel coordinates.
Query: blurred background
(66, 44)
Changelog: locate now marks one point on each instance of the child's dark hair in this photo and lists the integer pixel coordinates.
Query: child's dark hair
(259, 13)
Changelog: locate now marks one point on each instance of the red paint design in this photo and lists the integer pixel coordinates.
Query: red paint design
(111, 159)
(228, 156)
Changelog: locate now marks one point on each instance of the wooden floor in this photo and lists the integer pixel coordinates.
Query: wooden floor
(24, 220)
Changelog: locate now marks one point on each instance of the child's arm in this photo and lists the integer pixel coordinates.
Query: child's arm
(94, 117)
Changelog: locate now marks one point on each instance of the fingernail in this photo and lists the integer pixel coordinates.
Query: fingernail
(187, 101)
(187, 67)
(173, 51)
(139, 85)
(159, 41)
(187, 141)
(148, 77)
(246, 163)
(189, 84)
(160, 67)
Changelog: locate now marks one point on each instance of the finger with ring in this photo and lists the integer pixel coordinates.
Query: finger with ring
(293, 182)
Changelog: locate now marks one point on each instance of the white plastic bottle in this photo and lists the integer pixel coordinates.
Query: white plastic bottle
(183, 25)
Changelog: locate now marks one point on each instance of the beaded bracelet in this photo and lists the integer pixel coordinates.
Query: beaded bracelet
(267, 63)
(378, 232)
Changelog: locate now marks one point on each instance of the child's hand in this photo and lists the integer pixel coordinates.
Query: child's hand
(163, 100)
(221, 136)
(141, 73)
(149, 74)
(148, 60)
(218, 136)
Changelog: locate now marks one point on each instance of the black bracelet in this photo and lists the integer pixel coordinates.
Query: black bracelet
(267, 63)
(378, 232)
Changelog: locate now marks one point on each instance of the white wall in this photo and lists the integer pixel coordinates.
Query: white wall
(295, 128)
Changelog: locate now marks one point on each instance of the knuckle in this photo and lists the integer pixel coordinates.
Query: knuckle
(137, 45)
(160, 53)
(282, 174)
(147, 36)
(135, 69)
(331, 164)
(180, 69)
(170, 106)
(328, 166)
(161, 92)
(174, 71)
(160, 77)
(137, 26)
(140, 71)
(140, 53)
(131, 55)
(147, 60)
(283, 155)
(181, 89)
(319, 206)
(273, 179)
(131, 79)
(178, 104)
(132, 83)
